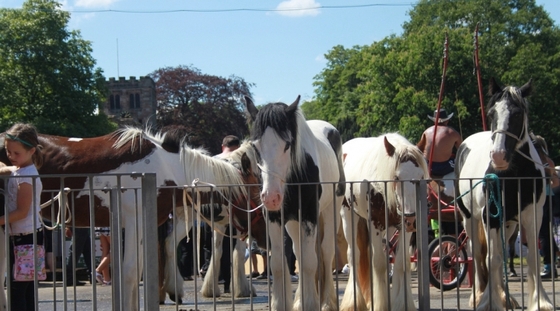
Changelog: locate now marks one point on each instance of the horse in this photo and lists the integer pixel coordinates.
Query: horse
(125, 151)
(294, 156)
(386, 168)
(506, 152)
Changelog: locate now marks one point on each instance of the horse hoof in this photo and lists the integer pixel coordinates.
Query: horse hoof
(174, 299)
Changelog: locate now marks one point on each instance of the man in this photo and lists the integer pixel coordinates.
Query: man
(447, 140)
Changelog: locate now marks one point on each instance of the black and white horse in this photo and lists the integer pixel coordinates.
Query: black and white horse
(507, 152)
(294, 155)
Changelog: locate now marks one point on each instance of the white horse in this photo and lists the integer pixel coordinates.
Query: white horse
(294, 155)
(505, 151)
(385, 168)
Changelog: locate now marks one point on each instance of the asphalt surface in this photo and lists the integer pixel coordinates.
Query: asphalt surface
(53, 298)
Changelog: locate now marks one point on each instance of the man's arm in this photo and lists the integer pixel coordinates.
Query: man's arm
(422, 143)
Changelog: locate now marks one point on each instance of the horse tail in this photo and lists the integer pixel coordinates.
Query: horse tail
(336, 144)
(364, 269)
(483, 253)
(462, 154)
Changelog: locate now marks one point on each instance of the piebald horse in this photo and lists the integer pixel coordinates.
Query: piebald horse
(384, 169)
(494, 207)
(294, 156)
(122, 152)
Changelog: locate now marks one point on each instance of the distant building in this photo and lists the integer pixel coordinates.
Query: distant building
(132, 101)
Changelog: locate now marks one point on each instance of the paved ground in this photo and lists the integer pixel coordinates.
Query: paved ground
(452, 300)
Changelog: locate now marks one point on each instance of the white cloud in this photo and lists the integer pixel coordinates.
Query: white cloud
(321, 59)
(94, 3)
(297, 8)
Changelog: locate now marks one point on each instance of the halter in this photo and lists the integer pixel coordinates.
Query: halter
(254, 208)
(269, 172)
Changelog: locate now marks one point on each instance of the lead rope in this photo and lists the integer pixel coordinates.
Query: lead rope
(66, 205)
(195, 183)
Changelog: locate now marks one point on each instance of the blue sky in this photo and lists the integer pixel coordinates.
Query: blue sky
(271, 45)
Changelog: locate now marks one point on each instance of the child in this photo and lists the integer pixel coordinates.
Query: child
(23, 201)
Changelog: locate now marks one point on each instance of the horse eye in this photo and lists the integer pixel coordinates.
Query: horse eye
(287, 146)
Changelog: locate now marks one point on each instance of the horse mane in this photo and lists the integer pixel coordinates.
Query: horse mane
(195, 161)
(274, 115)
(386, 165)
(513, 94)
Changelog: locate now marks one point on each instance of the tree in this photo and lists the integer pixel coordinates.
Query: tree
(391, 85)
(47, 74)
(209, 107)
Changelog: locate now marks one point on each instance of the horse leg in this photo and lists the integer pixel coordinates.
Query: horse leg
(473, 227)
(132, 262)
(353, 288)
(282, 299)
(241, 285)
(327, 292)
(2, 270)
(379, 265)
(538, 299)
(401, 292)
(173, 281)
(511, 252)
(510, 229)
(210, 286)
(308, 263)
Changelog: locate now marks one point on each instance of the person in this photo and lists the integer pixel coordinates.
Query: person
(81, 246)
(253, 251)
(23, 203)
(102, 272)
(229, 144)
(446, 141)
(545, 236)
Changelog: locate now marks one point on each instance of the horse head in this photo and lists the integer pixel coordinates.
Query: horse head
(274, 136)
(409, 165)
(507, 113)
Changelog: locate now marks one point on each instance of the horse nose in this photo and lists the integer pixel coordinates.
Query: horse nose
(271, 200)
(499, 159)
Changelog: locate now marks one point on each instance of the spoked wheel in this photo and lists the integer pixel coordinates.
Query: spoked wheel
(448, 264)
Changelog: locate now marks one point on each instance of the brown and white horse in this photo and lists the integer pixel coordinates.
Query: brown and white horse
(122, 152)
(385, 169)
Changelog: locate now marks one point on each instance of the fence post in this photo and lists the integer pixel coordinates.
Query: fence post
(149, 223)
(116, 245)
(422, 245)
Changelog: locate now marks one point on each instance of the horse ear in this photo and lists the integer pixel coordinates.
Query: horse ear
(494, 87)
(527, 88)
(251, 109)
(245, 164)
(388, 147)
(294, 105)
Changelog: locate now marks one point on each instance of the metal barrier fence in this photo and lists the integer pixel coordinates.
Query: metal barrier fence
(196, 294)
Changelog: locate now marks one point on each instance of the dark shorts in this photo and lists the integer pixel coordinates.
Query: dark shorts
(443, 168)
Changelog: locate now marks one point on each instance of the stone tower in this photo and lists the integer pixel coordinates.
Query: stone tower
(132, 101)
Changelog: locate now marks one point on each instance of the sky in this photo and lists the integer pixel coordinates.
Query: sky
(277, 45)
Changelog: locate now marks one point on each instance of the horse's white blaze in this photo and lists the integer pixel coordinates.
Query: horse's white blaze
(406, 190)
(274, 167)
(498, 152)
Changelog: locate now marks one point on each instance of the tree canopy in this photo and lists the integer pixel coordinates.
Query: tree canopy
(391, 85)
(47, 74)
(208, 107)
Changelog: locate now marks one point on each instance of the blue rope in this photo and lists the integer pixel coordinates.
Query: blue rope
(496, 198)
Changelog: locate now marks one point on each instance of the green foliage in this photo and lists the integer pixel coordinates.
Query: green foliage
(391, 85)
(208, 107)
(47, 74)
